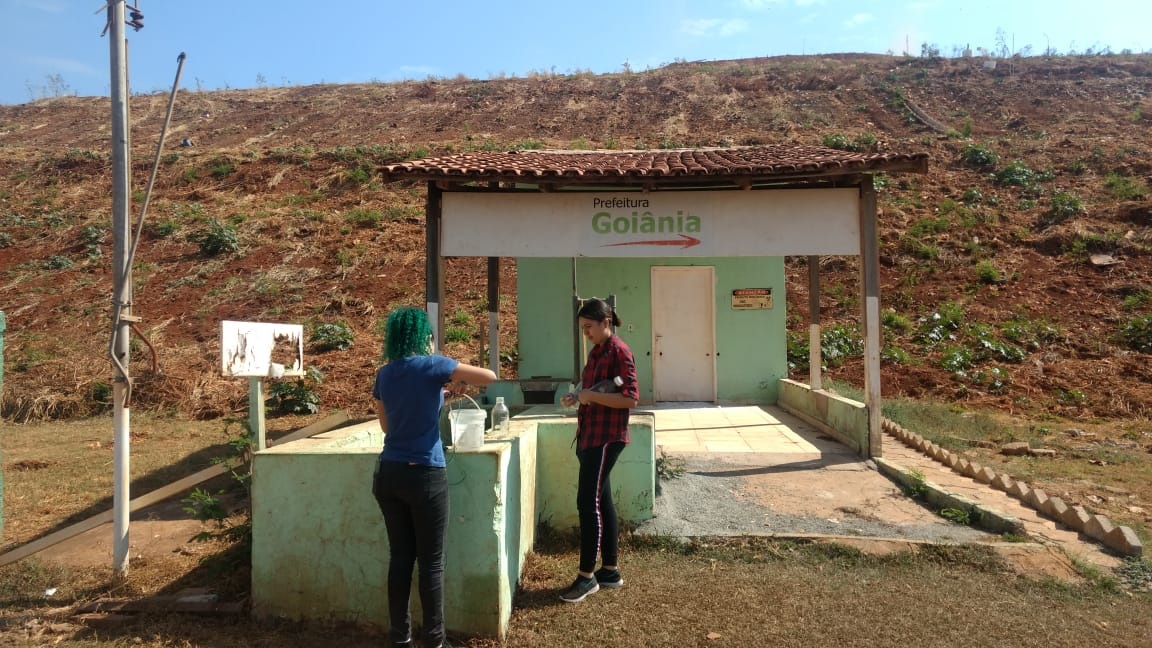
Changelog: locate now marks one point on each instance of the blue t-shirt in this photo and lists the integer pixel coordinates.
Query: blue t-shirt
(412, 392)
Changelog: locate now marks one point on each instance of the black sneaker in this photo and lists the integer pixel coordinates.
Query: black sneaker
(580, 589)
(609, 578)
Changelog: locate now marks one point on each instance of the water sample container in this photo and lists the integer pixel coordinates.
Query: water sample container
(467, 428)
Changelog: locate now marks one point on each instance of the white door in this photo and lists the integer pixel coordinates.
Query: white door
(683, 333)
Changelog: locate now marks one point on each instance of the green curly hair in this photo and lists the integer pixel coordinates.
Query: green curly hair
(407, 333)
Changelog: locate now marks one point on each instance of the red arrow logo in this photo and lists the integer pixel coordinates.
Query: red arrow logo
(684, 241)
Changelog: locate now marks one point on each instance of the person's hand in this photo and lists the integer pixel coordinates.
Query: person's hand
(569, 399)
(453, 389)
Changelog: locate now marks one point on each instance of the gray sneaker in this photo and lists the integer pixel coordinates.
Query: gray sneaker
(580, 589)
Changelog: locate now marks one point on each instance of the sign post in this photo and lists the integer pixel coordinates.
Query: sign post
(258, 350)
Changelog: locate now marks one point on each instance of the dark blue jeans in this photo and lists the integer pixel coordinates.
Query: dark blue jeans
(414, 501)
(599, 529)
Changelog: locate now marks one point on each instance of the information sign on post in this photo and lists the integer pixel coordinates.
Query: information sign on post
(259, 350)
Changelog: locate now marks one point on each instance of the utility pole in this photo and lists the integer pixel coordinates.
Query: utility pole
(121, 287)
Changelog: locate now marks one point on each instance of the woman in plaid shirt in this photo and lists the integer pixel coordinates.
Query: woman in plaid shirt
(602, 433)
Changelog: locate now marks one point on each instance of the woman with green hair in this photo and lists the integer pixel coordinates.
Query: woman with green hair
(411, 483)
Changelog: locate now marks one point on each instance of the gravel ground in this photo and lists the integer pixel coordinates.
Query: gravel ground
(695, 504)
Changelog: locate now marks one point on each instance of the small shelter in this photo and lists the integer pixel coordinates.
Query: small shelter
(690, 243)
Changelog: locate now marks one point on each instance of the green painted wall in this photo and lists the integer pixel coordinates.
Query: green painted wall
(844, 416)
(751, 343)
(633, 479)
(320, 550)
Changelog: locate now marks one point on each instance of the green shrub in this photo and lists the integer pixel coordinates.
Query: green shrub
(972, 196)
(1136, 333)
(364, 218)
(838, 343)
(57, 262)
(218, 238)
(456, 334)
(1124, 188)
(5, 239)
(164, 228)
(332, 337)
(988, 273)
(957, 360)
(797, 351)
(978, 156)
(1063, 207)
(838, 141)
(842, 142)
(1016, 174)
(296, 395)
(222, 168)
(894, 320)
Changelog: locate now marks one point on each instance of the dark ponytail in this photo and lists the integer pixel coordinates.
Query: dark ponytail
(598, 310)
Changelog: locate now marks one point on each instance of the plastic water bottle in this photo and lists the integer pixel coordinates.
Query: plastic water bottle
(608, 386)
(499, 415)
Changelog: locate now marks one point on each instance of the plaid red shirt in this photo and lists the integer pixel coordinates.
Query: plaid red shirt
(597, 425)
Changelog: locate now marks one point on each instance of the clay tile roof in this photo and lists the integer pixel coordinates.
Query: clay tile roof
(752, 162)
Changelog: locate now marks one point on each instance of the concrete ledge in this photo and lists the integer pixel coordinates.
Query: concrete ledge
(981, 516)
(1098, 527)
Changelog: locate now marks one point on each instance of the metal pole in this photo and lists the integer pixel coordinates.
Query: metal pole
(494, 315)
(434, 265)
(122, 286)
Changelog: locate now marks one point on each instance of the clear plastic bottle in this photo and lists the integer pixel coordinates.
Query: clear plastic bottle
(608, 386)
(500, 415)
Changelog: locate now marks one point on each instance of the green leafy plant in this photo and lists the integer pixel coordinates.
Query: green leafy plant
(978, 156)
(332, 337)
(1064, 206)
(669, 467)
(838, 343)
(207, 507)
(959, 516)
(456, 334)
(1125, 188)
(57, 262)
(222, 168)
(296, 395)
(1016, 174)
(1136, 333)
(988, 273)
(916, 488)
(218, 238)
(364, 218)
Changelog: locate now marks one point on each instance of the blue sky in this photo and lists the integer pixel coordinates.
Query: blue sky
(52, 47)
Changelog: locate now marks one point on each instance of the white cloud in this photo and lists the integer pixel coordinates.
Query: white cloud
(48, 6)
(757, 5)
(858, 20)
(412, 71)
(713, 27)
(71, 66)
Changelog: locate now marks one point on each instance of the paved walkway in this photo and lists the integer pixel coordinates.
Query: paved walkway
(791, 479)
(705, 427)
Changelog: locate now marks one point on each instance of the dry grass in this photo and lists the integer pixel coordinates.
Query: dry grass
(732, 593)
(719, 593)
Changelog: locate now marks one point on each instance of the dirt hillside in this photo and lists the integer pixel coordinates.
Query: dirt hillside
(1016, 273)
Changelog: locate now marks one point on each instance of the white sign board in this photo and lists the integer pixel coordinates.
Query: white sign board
(257, 349)
(655, 224)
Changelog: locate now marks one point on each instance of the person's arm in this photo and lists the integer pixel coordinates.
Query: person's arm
(614, 400)
(473, 375)
(379, 406)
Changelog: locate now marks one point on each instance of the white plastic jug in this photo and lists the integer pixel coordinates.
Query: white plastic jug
(467, 428)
